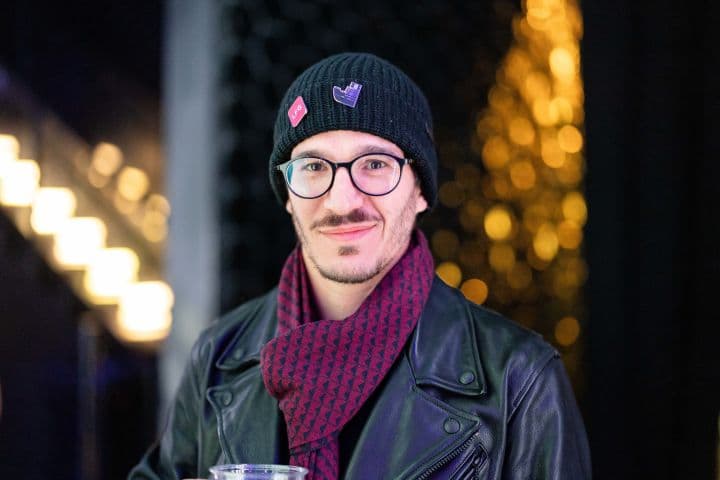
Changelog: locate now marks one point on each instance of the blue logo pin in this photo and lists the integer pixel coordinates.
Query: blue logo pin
(348, 96)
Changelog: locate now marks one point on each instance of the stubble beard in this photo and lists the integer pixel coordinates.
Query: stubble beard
(399, 235)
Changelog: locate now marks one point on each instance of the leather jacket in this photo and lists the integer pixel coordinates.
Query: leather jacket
(472, 396)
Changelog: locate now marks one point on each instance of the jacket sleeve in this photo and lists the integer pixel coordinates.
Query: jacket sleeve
(546, 435)
(174, 455)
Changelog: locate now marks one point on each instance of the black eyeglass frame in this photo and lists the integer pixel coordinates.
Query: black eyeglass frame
(348, 165)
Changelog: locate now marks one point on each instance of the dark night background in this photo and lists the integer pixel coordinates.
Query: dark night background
(652, 240)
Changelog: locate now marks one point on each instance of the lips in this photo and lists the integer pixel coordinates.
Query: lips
(348, 232)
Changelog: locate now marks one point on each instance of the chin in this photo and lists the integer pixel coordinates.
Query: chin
(345, 270)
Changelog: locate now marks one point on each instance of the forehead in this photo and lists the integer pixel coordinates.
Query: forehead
(344, 144)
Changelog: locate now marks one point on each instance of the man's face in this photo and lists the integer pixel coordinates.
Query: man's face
(346, 235)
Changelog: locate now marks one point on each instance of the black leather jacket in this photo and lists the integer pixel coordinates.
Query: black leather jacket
(473, 396)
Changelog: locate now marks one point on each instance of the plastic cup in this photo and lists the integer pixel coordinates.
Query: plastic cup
(248, 471)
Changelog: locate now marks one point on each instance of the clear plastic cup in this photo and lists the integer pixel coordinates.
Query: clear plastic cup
(248, 471)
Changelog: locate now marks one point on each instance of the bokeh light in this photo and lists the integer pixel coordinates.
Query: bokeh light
(109, 272)
(52, 207)
(475, 290)
(133, 183)
(144, 311)
(77, 241)
(567, 331)
(19, 182)
(450, 273)
(498, 223)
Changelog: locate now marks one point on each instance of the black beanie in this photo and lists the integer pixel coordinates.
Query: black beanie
(361, 92)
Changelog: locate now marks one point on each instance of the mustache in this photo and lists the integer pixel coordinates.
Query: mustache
(333, 220)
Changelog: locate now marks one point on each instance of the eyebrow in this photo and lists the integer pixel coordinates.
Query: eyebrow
(369, 148)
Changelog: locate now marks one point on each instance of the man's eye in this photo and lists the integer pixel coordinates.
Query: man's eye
(375, 164)
(314, 166)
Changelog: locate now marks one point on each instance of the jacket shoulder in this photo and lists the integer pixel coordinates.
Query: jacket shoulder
(251, 324)
(510, 355)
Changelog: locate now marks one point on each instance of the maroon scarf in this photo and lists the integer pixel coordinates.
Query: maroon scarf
(322, 371)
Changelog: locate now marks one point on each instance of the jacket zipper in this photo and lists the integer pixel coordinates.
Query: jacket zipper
(447, 458)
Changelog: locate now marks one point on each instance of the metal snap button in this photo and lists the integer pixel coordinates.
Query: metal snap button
(467, 378)
(226, 398)
(451, 425)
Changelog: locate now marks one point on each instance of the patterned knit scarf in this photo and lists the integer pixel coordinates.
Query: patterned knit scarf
(322, 371)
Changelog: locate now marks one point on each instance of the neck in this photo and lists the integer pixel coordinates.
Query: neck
(335, 300)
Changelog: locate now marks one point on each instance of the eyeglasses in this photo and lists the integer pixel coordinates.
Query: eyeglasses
(374, 174)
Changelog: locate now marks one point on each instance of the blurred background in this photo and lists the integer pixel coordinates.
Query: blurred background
(579, 195)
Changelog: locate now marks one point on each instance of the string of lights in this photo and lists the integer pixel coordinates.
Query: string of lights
(70, 209)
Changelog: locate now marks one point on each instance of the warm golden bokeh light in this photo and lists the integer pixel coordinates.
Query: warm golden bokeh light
(545, 112)
(564, 109)
(450, 273)
(522, 175)
(154, 226)
(159, 203)
(569, 235)
(535, 215)
(498, 223)
(51, 208)
(97, 180)
(123, 204)
(574, 208)
(19, 183)
(551, 153)
(567, 331)
(133, 183)
(521, 131)
(545, 242)
(537, 85)
(475, 290)
(570, 139)
(9, 151)
(109, 272)
(106, 159)
(144, 312)
(495, 153)
(562, 64)
(77, 241)
(571, 173)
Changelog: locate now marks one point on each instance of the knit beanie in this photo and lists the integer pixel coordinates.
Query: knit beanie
(361, 92)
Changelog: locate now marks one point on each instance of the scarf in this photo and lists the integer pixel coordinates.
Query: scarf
(322, 371)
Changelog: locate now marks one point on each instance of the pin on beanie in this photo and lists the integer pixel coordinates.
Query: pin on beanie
(360, 92)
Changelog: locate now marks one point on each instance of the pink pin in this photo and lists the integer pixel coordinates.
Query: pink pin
(297, 111)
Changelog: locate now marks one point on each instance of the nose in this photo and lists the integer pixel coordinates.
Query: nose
(343, 197)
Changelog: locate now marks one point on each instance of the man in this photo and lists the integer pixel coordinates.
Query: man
(362, 364)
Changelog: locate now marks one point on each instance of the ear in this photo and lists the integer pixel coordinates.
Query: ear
(420, 203)
(288, 206)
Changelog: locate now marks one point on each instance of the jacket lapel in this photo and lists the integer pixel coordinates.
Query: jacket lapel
(248, 417)
(444, 351)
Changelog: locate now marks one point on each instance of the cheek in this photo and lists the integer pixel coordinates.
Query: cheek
(302, 211)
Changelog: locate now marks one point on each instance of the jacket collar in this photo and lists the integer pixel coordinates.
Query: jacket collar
(443, 352)
(253, 332)
(454, 363)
